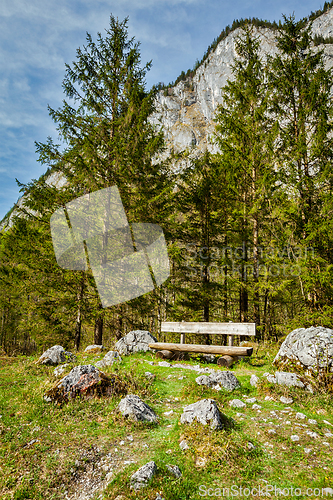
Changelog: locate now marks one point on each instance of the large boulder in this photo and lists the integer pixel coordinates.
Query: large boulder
(55, 356)
(204, 411)
(133, 407)
(86, 381)
(307, 349)
(135, 341)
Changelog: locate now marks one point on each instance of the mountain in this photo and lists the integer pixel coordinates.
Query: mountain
(186, 111)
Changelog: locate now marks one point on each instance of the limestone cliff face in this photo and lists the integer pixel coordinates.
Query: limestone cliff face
(187, 112)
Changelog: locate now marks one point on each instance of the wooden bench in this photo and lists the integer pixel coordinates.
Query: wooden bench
(229, 353)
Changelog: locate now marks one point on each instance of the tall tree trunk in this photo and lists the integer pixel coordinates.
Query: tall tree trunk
(78, 325)
(99, 323)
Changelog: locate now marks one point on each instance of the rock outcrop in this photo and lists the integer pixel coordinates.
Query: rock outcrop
(136, 341)
(55, 356)
(308, 349)
(85, 381)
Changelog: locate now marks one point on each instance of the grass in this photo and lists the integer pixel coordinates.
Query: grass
(48, 451)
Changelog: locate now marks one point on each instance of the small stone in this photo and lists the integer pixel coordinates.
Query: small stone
(122, 443)
(254, 380)
(326, 422)
(158, 497)
(150, 376)
(256, 407)
(326, 443)
(240, 415)
(237, 403)
(312, 434)
(204, 411)
(130, 438)
(59, 370)
(168, 413)
(251, 400)
(181, 378)
(184, 445)
(300, 415)
(169, 452)
(271, 431)
(328, 434)
(132, 406)
(294, 437)
(286, 400)
(250, 446)
(269, 398)
(271, 379)
(141, 477)
(164, 364)
(307, 450)
(175, 470)
(312, 421)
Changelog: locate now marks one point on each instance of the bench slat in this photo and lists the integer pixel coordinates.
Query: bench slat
(210, 349)
(209, 328)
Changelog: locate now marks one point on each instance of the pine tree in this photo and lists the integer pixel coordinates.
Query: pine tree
(302, 103)
(245, 135)
(108, 137)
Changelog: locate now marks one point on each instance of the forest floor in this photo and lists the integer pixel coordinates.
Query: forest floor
(86, 450)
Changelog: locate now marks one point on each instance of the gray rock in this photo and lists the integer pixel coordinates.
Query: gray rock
(300, 415)
(84, 380)
(254, 380)
(164, 364)
(94, 349)
(251, 446)
(175, 470)
(218, 379)
(286, 400)
(141, 477)
(136, 341)
(312, 434)
(150, 376)
(271, 379)
(251, 400)
(288, 379)
(132, 406)
(59, 370)
(204, 411)
(108, 360)
(55, 356)
(184, 445)
(237, 403)
(310, 348)
(294, 438)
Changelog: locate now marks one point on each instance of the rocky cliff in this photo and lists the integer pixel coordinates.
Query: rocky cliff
(186, 111)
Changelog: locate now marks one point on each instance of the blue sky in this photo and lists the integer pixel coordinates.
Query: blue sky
(37, 38)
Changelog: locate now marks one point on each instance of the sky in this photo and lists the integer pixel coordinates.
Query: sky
(38, 37)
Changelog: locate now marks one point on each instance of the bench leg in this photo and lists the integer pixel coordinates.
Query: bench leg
(231, 340)
(182, 338)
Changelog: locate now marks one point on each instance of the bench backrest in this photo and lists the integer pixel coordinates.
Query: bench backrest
(209, 328)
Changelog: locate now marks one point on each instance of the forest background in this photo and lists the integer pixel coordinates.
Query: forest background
(248, 229)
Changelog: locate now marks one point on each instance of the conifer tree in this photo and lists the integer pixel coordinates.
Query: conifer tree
(302, 104)
(245, 135)
(108, 137)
